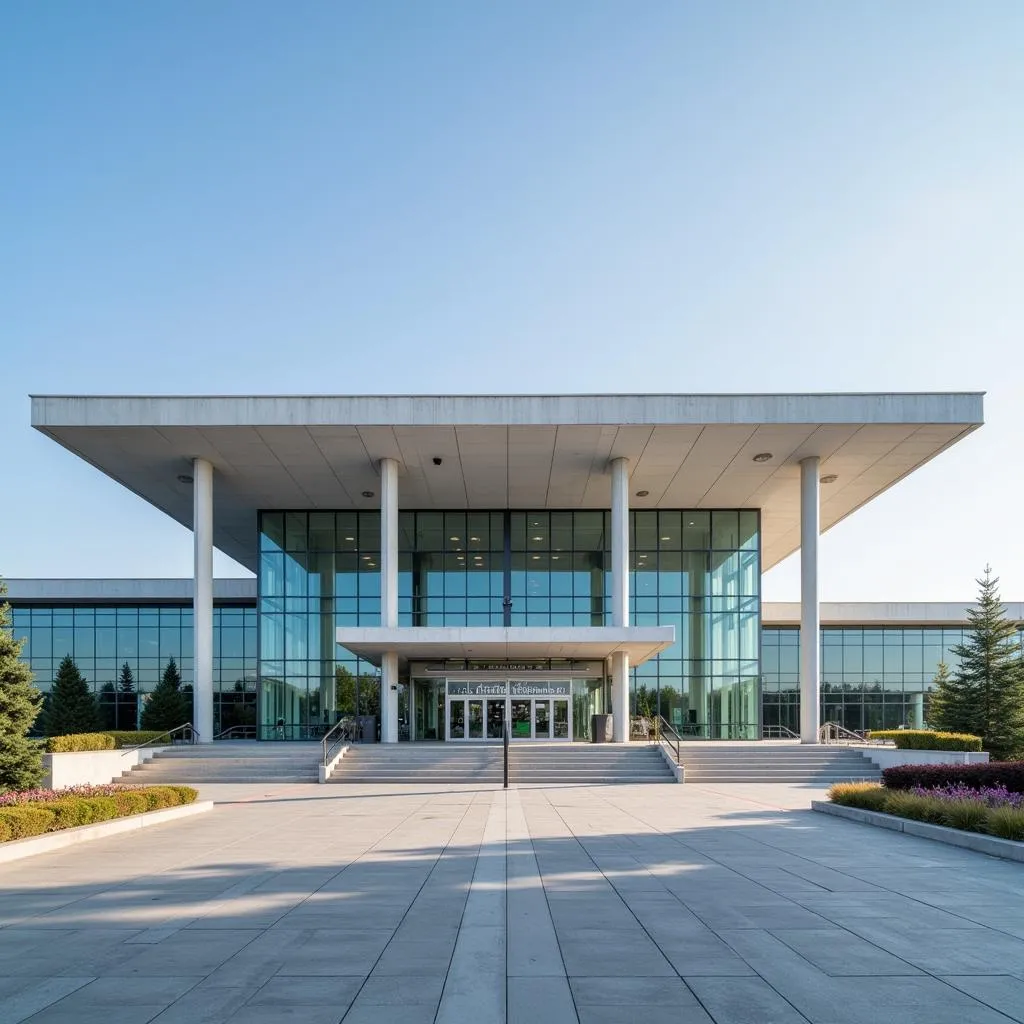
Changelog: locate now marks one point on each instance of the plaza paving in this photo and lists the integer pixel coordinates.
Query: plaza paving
(470, 906)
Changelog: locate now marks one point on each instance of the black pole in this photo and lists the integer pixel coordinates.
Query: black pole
(505, 738)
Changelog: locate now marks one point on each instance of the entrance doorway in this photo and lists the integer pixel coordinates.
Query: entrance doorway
(479, 711)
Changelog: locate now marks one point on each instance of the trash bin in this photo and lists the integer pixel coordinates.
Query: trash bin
(600, 728)
(367, 728)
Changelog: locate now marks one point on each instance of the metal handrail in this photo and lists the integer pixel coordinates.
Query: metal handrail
(833, 732)
(186, 729)
(331, 744)
(784, 731)
(251, 730)
(504, 740)
(661, 724)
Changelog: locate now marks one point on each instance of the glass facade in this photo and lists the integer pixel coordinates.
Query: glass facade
(871, 678)
(101, 638)
(696, 570)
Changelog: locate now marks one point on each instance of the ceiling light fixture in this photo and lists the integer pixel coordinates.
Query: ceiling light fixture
(536, 558)
(642, 494)
(763, 457)
(453, 538)
(666, 538)
(184, 478)
(829, 478)
(367, 494)
(474, 538)
(538, 538)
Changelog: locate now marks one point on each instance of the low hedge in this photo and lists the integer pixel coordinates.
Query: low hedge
(978, 776)
(19, 821)
(81, 741)
(966, 815)
(927, 739)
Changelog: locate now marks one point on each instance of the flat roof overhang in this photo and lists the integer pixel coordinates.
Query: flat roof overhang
(505, 643)
(508, 451)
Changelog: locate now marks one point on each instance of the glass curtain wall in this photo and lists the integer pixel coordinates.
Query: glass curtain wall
(699, 571)
(103, 638)
(870, 678)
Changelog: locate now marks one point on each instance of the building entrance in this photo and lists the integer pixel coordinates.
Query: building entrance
(534, 711)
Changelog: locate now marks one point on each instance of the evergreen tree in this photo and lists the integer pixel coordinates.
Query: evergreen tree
(991, 675)
(167, 707)
(127, 700)
(21, 763)
(945, 707)
(71, 707)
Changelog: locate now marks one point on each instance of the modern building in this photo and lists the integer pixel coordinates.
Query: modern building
(450, 564)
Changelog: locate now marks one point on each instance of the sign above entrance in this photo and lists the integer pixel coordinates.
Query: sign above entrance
(509, 688)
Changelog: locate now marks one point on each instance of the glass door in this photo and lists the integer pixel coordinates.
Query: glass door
(542, 719)
(521, 720)
(475, 719)
(457, 719)
(560, 722)
(496, 719)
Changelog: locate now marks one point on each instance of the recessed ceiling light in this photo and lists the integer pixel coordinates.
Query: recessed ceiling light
(691, 523)
(666, 538)
(536, 558)
(350, 538)
(366, 558)
(453, 538)
(763, 457)
(538, 538)
(554, 558)
(367, 494)
(474, 538)
(184, 478)
(642, 494)
(829, 478)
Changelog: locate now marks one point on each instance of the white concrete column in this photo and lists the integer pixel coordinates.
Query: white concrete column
(389, 596)
(620, 697)
(388, 542)
(620, 542)
(202, 599)
(810, 607)
(389, 697)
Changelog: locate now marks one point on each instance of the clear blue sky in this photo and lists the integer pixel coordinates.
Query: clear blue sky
(517, 196)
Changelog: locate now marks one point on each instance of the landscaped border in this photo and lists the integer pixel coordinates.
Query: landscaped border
(16, 849)
(1007, 849)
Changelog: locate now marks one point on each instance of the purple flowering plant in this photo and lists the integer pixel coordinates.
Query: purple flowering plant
(989, 796)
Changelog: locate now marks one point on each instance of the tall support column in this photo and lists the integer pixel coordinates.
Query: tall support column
(620, 542)
(389, 596)
(810, 608)
(620, 697)
(620, 596)
(202, 599)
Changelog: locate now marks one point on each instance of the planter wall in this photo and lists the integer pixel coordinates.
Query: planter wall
(91, 767)
(887, 757)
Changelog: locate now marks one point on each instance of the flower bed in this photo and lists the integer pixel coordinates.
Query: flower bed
(32, 812)
(992, 810)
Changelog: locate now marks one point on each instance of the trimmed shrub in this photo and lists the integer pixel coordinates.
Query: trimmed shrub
(868, 796)
(130, 803)
(103, 807)
(1006, 822)
(5, 831)
(927, 739)
(123, 738)
(26, 821)
(978, 776)
(162, 796)
(69, 813)
(80, 741)
(186, 794)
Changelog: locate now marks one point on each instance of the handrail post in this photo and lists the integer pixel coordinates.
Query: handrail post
(505, 744)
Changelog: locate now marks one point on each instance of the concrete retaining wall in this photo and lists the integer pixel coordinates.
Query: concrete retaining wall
(92, 767)
(887, 757)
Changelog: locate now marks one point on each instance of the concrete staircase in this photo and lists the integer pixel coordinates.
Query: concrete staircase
(232, 761)
(774, 761)
(537, 763)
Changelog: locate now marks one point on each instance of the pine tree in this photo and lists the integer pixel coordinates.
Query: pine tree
(21, 763)
(167, 707)
(953, 703)
(991, 674)
(71, 707)
(127, 700)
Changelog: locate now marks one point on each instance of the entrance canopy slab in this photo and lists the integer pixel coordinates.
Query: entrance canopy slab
(499, 643)
(508, 451)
